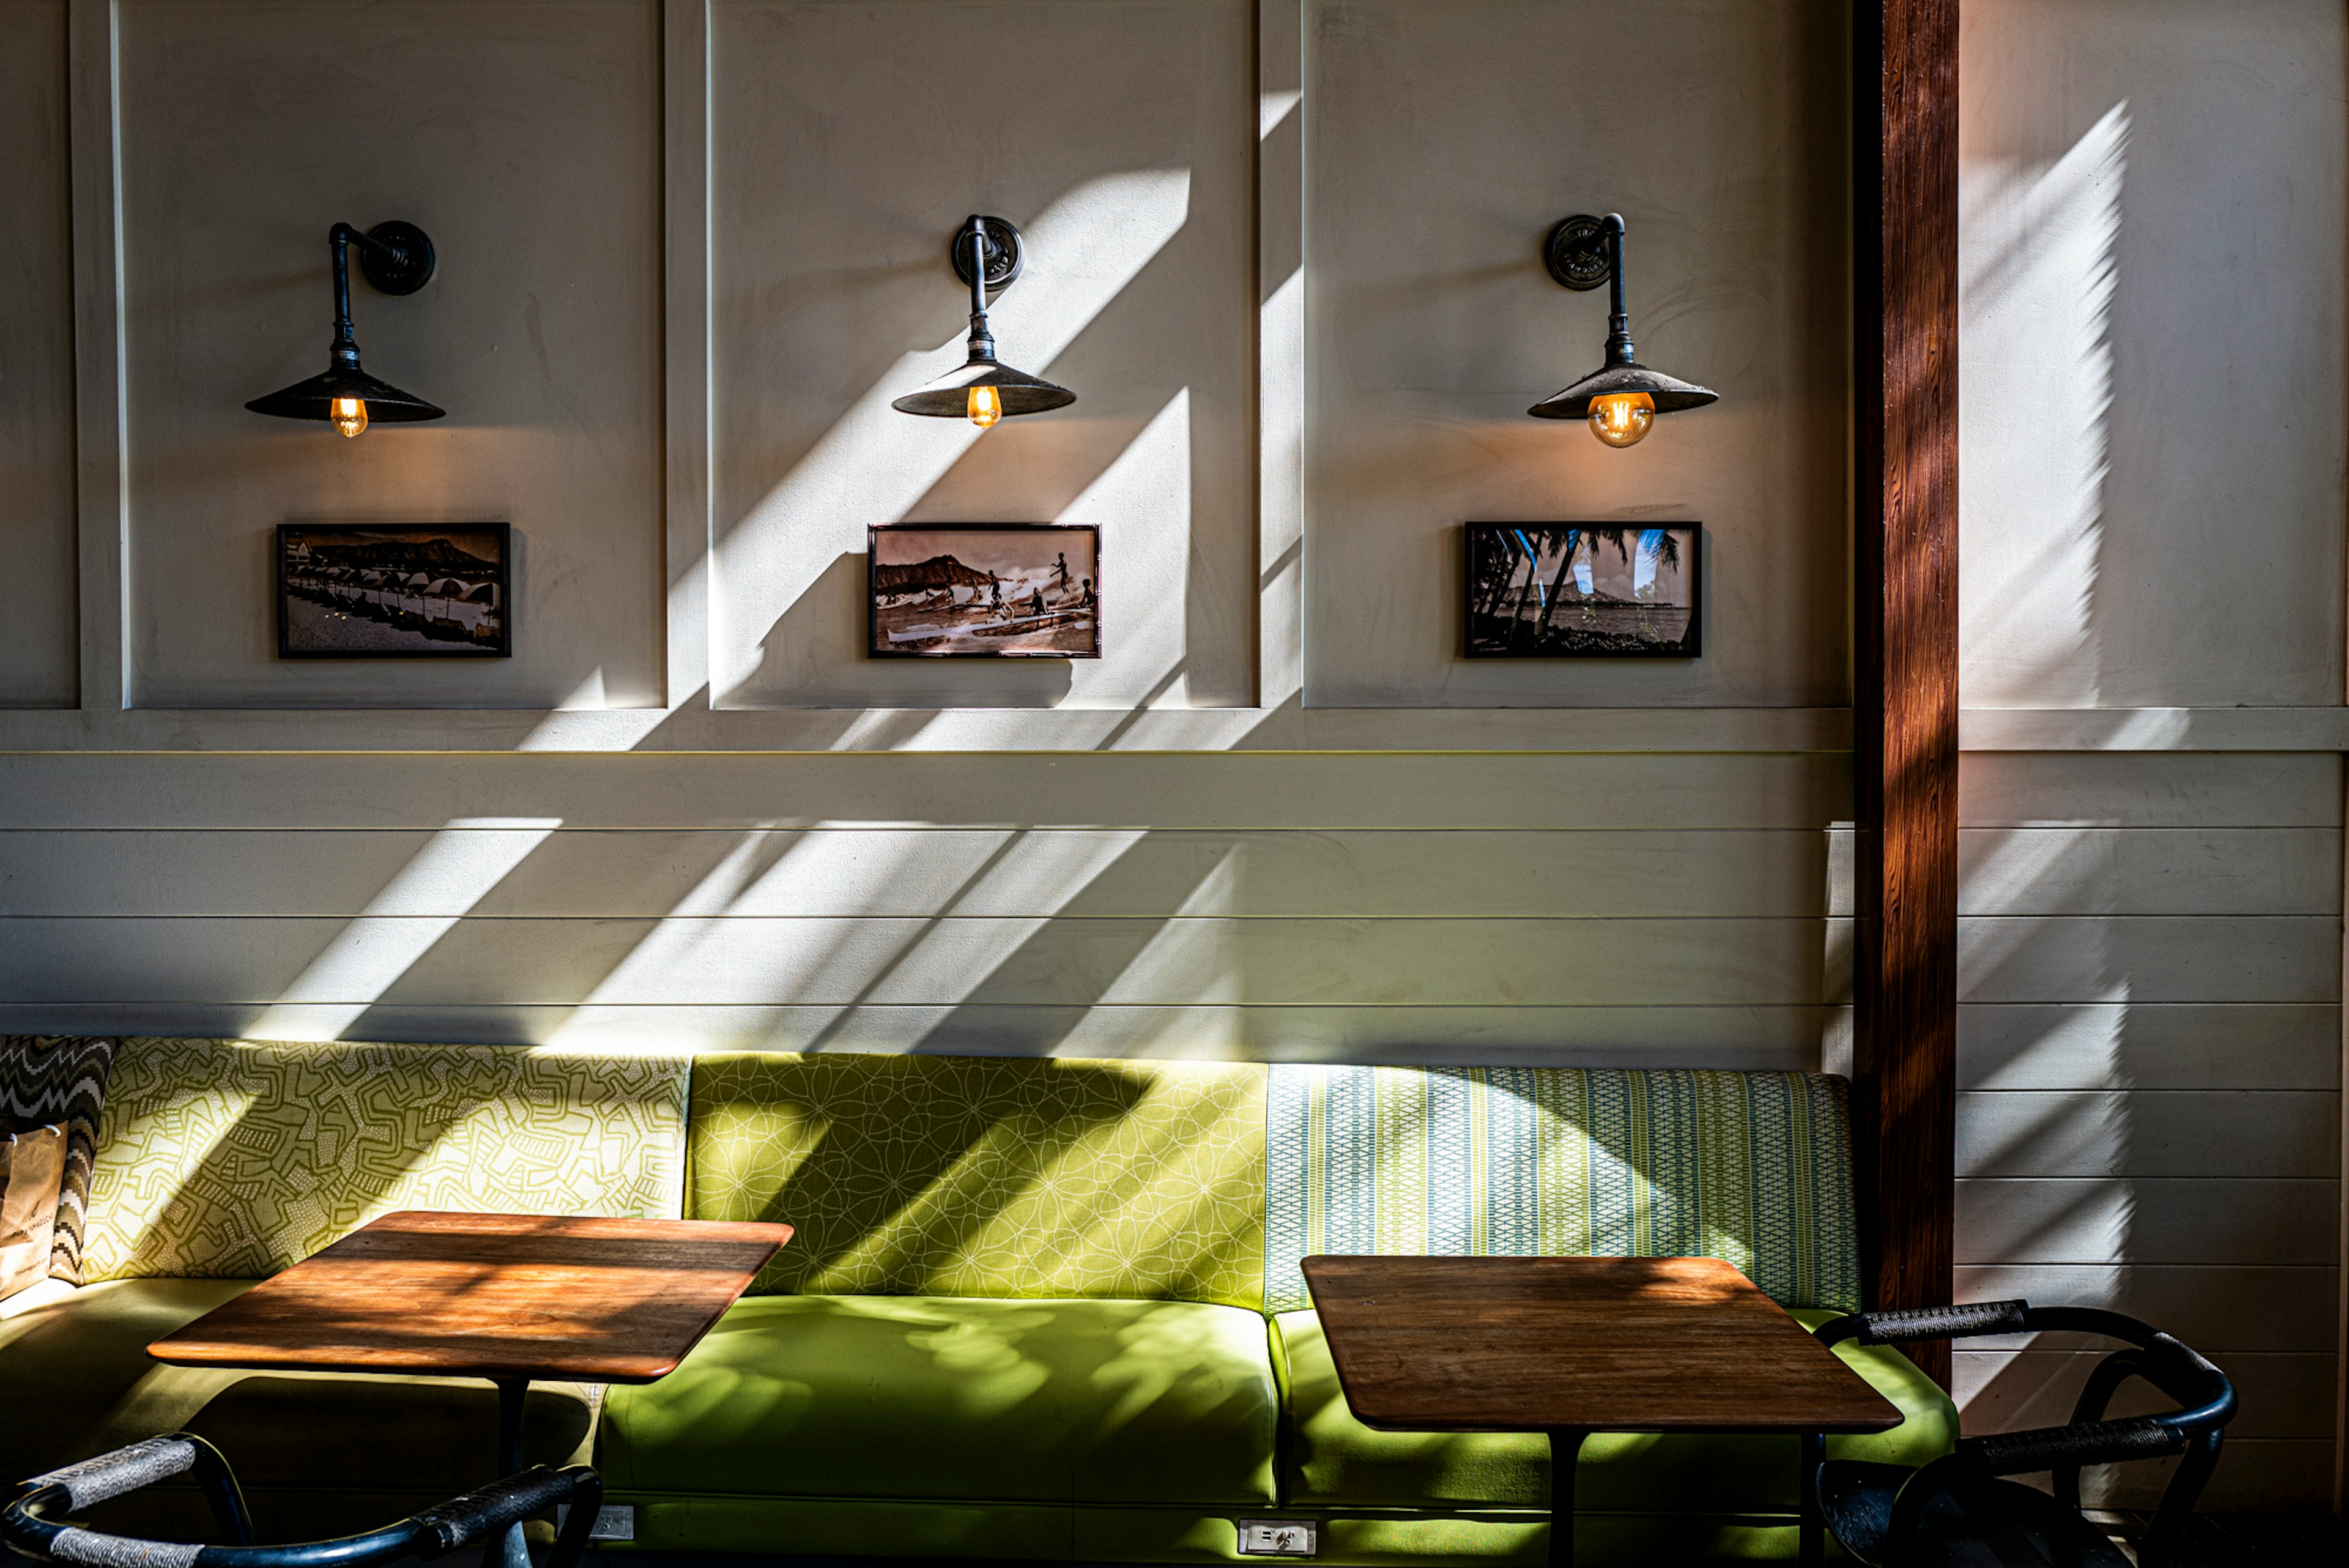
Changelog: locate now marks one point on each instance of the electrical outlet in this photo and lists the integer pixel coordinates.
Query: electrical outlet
(1279, 1537)
(614, 1520)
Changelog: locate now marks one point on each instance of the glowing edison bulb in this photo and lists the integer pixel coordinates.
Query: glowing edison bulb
(349, 415)
(1621, 419)
(985, 407)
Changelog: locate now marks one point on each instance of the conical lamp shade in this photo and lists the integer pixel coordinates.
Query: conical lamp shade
(314, 398)
(1672, 396)
(949, 396)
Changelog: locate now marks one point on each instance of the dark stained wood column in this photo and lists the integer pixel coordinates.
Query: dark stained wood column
(1905, 289)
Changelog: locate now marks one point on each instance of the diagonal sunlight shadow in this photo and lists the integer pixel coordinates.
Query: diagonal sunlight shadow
(424, 900)
(2014, 1138)
(1155, 466)
(860, 961)
(2038, 274)
(2039, 241)
(874, 463)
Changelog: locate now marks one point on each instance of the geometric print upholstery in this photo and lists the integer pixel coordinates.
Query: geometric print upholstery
(54, 1079)
(232, 1159)
(988, 1177)
(1751, 1167)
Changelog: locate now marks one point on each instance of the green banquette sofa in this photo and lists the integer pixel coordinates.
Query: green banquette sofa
(1035, 1309)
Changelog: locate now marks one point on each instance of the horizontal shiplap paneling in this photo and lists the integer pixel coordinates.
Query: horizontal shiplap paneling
(2280, 1396)
(2165, 1133)
(1741, 1038)
(2149, 1051)
(2255, 1475)
(2208, 1220)
(2245, 1308)
(1103, 872)
(2149, 957)
(2149, 1046)
(2149, 872)
(2284, 1417)
(1151, 790)
(1071, 961)
(2170, 789)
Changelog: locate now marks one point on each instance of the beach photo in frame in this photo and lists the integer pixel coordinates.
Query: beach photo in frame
(1583, 590)
(394, 592)
(983, 590)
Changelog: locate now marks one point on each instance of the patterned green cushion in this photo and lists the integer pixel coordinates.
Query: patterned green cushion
(988, 1177)
(226, 1160)
(1752, 1167)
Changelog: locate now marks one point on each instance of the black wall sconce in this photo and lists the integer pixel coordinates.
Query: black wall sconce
(987, 254)
(398, 259)
(1622, 398)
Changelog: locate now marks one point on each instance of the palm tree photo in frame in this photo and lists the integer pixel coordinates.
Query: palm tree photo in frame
(394, 592)
(1583, 590)
(983, 590)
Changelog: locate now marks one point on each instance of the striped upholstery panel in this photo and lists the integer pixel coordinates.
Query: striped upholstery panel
(1751, 1167)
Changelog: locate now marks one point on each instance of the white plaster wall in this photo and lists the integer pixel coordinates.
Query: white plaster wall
(525, 140)
(1444, 141)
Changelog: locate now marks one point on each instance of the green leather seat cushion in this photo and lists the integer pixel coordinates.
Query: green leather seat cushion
(1330, 1459)
(915, 1397)
(318, 1454)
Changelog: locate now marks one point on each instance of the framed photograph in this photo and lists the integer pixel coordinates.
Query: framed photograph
(1582, 590)
(393, 593)
(983, 590)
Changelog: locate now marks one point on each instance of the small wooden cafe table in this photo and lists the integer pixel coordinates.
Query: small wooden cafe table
(509, 1297)
(1571, 1346)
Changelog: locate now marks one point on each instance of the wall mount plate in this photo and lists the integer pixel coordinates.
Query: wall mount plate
(406, 273)
(1006, 251)
(1575, 253)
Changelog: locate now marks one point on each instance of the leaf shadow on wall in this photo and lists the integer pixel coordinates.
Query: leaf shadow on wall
(2043, 1175)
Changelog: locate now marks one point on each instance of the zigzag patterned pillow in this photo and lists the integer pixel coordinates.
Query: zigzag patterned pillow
(52, 1080)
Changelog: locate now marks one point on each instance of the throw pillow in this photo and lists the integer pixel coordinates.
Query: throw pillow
(60, 1080)
(32, 1167)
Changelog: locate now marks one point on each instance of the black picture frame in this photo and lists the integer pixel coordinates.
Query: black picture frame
(353, 610)
(1527, 569)
(995, 545)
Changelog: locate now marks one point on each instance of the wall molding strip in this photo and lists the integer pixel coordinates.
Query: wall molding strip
(695, 728)
(101, 449)
(692, 726)
(685, 195)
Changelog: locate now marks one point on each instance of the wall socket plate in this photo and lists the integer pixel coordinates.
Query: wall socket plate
(614, 1520)
(1279, 1537)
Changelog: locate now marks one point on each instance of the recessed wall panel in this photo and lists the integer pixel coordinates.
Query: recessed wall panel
(1442, 141)
(525, 140)
(38, 660)
(849, 140)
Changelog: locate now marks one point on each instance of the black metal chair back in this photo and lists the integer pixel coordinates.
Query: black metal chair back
(1890, 1517)
(35, 1523)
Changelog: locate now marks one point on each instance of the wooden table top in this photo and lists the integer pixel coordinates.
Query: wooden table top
(489, 1295)
(1606, 1345)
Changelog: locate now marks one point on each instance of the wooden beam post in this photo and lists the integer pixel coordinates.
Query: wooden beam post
(1905, 362)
